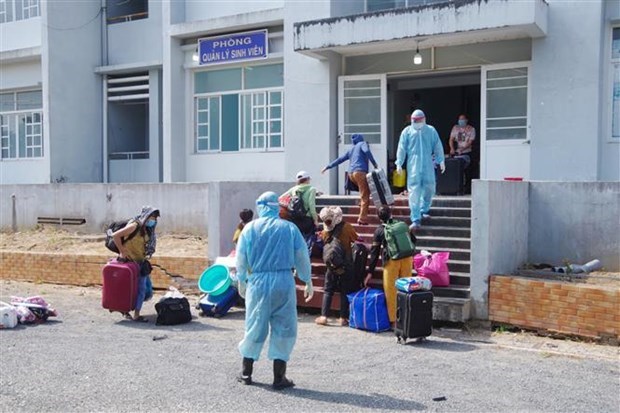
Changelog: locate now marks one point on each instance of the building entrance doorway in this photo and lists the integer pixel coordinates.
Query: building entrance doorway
(442, 97)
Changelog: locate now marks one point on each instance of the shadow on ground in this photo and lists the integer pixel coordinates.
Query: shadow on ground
(373, 400)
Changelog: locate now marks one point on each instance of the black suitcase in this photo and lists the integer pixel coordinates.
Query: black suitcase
(451, 182)
(414, 315)
(358, 266)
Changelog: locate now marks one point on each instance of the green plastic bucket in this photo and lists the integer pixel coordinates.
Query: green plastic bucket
(215, 280)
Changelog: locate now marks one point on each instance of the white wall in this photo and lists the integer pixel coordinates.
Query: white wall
(25, 171)
(20, 34)
(310, 102)
(238, 166)
(72, 92)
(210, 9)
(21, 75)
(138, 40)
(566, 86)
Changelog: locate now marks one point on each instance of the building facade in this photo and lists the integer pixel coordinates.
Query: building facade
(203, 91)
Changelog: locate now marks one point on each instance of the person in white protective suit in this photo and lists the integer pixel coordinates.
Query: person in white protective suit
(268, 250)
(419, 143)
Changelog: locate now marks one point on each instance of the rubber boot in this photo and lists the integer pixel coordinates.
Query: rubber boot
(246, 371)
(279, 375)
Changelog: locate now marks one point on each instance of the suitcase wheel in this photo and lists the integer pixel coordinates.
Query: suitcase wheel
(400, 340)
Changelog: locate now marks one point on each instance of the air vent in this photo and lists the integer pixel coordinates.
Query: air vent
(60, 221)
(133, 86)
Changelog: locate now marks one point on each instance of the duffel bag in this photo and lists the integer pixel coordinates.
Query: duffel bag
(172, 311)
(368, 310)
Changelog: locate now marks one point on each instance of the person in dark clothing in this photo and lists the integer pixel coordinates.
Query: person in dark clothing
(392, 269)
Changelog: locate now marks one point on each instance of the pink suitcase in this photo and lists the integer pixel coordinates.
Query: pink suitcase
(120, 285)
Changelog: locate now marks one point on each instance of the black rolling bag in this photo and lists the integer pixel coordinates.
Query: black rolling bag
(414, 315)
(451, 182)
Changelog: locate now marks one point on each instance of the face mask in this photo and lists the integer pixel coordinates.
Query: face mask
(419, 125)
(462, 122)
(151, 223)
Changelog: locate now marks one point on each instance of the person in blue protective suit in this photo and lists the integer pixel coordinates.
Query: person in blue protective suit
(419, 143)
(268, 250)
(359, 155)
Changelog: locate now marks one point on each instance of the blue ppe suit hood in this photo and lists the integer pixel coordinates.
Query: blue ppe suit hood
(422, 149)
(268, 249)
(358, 155)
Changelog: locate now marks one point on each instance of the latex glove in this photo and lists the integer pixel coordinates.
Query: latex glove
(241, 288)
(308, 292)
(399, 168)
(442, 167)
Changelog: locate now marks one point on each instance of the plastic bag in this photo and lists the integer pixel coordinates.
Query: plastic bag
(410, 284)
(8, 315)
(434, 267)
(173, 293)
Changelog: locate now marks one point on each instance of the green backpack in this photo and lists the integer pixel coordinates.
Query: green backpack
(398, 240)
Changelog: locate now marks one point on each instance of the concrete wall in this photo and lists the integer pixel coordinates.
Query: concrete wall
(310, 128)
(206, 209)
(577, 91)
(242, 166)
(499, 238)
(226, 199)
(138, 40)
(72, 92)
(210, 9)
(184, 207)
(609, 154)
(21, 75)
(514, 223)
(20, 34)
(575, 221)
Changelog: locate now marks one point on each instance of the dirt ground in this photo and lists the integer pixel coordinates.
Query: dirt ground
(50, 239)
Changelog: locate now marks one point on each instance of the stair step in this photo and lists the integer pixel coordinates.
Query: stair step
(439, 231)
(460, 222)
(459, 291)
(459, 254)
(443, 242)
(459, 266)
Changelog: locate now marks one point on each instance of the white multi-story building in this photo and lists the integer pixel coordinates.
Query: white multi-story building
(198, 91)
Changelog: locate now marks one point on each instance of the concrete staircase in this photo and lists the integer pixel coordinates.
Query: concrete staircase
(448, 229)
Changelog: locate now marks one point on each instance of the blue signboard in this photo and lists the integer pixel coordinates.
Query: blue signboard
(232, 48)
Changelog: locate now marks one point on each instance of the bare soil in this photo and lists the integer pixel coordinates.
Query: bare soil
(50, 239)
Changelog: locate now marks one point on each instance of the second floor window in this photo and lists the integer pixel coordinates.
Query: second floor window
(119, 11)
(14, 10)
(376, 5)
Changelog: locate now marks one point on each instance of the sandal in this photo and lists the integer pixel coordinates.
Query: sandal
(140, 320)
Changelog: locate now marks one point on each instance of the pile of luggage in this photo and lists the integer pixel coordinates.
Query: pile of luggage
(28, 310)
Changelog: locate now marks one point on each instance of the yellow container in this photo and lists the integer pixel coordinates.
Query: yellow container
(399, 180)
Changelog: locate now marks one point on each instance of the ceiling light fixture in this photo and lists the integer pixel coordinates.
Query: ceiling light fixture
(417, 57)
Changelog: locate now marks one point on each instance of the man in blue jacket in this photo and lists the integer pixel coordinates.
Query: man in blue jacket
(359, 155)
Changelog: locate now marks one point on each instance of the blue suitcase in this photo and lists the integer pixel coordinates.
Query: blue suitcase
(218, 305)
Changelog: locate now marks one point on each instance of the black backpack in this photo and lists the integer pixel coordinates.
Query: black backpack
(358, 268)
(172, 311)
(296, 207)
(334, 254)
(112, 228)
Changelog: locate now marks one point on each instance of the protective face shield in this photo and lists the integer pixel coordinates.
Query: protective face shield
(418, 119)
(462, 122)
